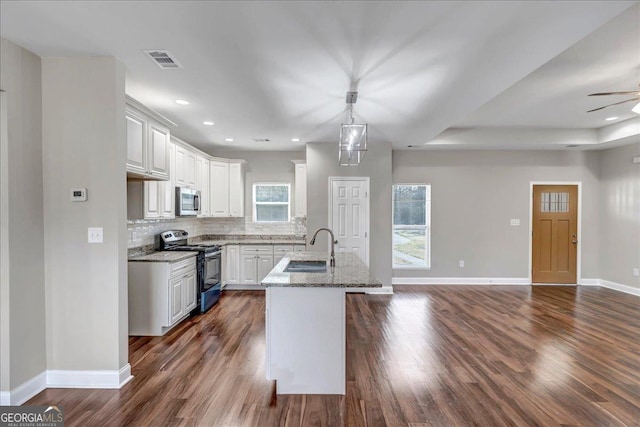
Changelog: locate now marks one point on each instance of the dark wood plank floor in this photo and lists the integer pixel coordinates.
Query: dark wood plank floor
(426, 356)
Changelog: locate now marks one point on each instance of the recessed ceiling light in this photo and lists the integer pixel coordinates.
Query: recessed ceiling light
(208, 123)
(229, 139)
(182, 102)
(611, 118)
(295, 139)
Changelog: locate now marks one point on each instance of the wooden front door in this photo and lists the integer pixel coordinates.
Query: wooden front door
(555, 233)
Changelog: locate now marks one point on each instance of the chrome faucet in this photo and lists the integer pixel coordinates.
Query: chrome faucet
(333, 242)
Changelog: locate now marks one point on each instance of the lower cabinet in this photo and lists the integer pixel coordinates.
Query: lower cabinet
(231, 265)
(256, 261)
(161, 294)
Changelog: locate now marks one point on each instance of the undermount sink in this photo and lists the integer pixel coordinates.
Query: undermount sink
(306, 267)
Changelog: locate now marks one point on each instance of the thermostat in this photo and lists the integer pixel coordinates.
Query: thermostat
(78, 194)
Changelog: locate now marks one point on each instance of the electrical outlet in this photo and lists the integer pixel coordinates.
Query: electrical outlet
(636, 272)
(94, 235)
(461, 264)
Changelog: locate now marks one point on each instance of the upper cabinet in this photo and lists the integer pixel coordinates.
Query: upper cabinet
(219, 188)
(300, 208)
(147, 146)
(226, 187)
(185, 167)
(202, 184)
(236, 188)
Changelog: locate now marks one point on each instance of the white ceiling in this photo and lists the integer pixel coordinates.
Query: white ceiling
(280, 70)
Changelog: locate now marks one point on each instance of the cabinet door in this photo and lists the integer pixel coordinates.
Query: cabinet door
(236, 190)
(158, 151)
(202, 184)
(190, 169)
(248, 269)
(181, 160)
(136, 142)
(265, 265)
(219, 188)
(167, 189)
(176, 303)
(301, 190)
(190, 289)
(232, 265)
(152, 202)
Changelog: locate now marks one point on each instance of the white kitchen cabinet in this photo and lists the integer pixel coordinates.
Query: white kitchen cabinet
(136, 142)
(152, 199)
(147, 146)
(256, 261)
(202, 185)
(185, 167)
(236, 189)
(161, 294)
(265, 265)
(231, 271)
(219, 188)
(190, 169)
(158, 150)
(300, 204)
(248, 269)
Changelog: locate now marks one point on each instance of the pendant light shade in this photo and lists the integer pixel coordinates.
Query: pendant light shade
(353, 137)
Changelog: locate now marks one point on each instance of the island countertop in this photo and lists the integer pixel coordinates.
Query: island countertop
(349, 272)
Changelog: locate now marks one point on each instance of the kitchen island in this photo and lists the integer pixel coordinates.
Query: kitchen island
(305, 321)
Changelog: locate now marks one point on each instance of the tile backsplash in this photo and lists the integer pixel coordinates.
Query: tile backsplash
(145, 232)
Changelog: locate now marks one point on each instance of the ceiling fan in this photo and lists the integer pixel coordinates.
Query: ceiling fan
(635, 93)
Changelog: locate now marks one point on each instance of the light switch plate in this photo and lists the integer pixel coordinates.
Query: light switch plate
(95, 235)
(636, 272)
(78, 195)
(461, 263)
(515, 221)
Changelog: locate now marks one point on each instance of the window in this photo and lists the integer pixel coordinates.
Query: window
(271, 202)
(412, 226)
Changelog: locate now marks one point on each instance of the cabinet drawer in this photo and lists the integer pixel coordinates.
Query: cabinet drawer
(257, 249)
(282, 249)
(180, 268)
(299, 248)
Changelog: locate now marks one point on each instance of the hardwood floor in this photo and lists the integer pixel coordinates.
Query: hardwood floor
(426, 356)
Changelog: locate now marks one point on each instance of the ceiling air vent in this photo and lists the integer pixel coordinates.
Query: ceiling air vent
(261, 139)
(163, 59)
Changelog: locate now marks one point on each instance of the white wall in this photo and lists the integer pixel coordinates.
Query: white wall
(475, 194)
(84, 145)
(620, 215)
(22, 293)
(322, 163)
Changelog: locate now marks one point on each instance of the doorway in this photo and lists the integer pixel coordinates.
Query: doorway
(349, 214)
(554, 233)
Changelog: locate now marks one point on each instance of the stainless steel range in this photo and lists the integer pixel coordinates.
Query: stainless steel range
(209, 265)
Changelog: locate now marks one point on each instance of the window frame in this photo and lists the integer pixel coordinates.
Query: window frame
(255, 203)
(426, 227)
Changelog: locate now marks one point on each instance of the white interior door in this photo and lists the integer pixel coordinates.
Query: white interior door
(349, 216)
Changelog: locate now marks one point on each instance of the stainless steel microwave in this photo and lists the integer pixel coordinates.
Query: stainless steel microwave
(187, 201)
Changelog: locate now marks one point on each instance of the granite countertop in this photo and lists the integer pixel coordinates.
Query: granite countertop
(349, 272)
(163, 256)
(223, 242)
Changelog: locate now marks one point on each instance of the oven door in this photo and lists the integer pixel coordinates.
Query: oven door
(212, 270)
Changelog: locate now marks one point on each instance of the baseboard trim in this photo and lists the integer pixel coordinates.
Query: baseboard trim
(460, 281)
(89, 379)
(620, 287)
(243, 288)
(590, 282)
(24, 391)
(385, 290)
